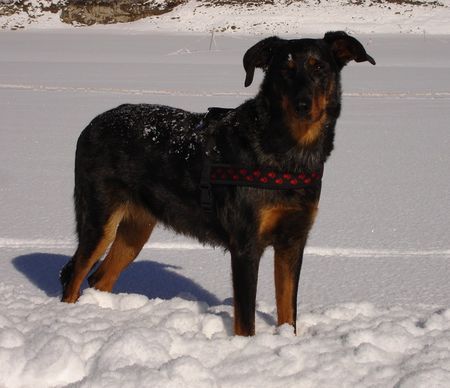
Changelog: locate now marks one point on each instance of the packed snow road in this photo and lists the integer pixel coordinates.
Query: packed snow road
(375, 290)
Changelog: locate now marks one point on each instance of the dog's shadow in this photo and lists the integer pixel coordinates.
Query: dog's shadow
(149, 278)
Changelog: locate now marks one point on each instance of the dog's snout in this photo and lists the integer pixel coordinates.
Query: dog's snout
(303, 106)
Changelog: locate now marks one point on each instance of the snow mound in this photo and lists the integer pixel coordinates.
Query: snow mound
(107, 340)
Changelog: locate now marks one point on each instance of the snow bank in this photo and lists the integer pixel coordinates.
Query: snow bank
(280, 17)
(108, 340)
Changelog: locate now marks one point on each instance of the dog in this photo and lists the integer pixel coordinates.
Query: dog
(242, 179)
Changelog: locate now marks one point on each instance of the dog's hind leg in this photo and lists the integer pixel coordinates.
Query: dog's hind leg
(93, 243)
(133, 232)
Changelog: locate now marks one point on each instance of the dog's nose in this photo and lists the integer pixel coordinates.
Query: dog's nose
(303, 106)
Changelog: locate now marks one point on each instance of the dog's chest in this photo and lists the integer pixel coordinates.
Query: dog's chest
(278, 222)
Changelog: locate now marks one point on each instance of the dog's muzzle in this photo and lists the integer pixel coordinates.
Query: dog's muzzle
(303, 106)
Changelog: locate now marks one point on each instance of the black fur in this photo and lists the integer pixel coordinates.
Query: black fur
(151, 157)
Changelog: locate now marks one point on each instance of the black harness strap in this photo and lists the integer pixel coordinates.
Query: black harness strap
(205, 187)
(214, 113)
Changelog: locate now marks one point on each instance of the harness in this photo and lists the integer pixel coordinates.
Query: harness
(262, 177)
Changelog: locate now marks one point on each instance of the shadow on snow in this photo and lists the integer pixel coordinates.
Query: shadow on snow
(149, 278)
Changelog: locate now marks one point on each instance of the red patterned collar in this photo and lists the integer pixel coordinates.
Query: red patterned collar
(261, 177)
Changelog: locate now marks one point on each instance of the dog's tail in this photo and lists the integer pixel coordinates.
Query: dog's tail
(65, 274)
(80, 193)
(88, 205)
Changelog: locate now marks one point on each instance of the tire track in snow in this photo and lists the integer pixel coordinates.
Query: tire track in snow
(99, 90)
(163, 92)
(49, 244)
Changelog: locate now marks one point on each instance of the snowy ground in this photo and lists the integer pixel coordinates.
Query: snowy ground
(279, 17)
(375, 290)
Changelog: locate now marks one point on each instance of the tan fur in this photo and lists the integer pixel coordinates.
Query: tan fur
(303, 130)
(285, 285)
(314, 210)
(270, 216)
(133, 232)
(286, 260)
(109, 233)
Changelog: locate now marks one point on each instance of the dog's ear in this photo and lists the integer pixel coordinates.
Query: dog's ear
(346, 48)
(259, 56)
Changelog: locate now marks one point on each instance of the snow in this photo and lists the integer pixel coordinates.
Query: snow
(281, 17)
(374, 292)
(109, 340)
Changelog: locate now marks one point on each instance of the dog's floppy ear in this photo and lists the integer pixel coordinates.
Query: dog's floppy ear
(259, 56)
(346, 48)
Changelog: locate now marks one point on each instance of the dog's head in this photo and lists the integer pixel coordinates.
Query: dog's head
(335, 49)
(302, 75)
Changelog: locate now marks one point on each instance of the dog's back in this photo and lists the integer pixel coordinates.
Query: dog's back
(146, 155)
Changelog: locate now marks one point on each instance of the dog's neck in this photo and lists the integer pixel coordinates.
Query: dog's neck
(276, 138)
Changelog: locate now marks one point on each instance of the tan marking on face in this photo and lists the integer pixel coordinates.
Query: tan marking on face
(307, 130)
(311, 61)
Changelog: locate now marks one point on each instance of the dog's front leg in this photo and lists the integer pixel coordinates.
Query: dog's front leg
(288, 263)
(245, 265)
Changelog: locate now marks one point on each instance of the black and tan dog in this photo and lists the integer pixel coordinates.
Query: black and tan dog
(242, 179)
